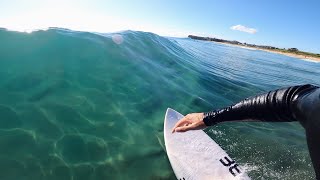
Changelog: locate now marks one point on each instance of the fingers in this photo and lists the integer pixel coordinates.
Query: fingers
(185, 128)
(181, 122)
(192, 121)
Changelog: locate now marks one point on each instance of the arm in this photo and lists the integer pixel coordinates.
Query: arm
(308, 108)
(297, 103)
(275, 106)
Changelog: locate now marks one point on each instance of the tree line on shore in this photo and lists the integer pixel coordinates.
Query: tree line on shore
(290, 50)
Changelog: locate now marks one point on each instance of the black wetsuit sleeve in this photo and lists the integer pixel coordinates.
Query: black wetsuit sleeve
(297, 103)
(274, 106)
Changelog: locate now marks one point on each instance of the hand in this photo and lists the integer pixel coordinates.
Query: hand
(192, 121)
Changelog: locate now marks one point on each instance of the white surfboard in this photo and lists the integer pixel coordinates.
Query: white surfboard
(195, 156)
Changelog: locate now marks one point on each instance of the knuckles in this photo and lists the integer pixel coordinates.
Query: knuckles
(188, 116)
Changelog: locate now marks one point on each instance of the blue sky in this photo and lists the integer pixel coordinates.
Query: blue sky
(284, 23)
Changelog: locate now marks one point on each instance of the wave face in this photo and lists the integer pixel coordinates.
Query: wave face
(80, 105)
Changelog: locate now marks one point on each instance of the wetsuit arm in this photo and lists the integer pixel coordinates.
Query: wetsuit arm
(297, 103)
(274, 106)
(308, 108)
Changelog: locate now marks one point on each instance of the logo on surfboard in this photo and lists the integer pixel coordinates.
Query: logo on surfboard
(233, 166)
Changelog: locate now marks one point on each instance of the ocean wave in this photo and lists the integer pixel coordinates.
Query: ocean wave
(91, 105)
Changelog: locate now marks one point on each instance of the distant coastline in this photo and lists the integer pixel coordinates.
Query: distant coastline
(292, 52)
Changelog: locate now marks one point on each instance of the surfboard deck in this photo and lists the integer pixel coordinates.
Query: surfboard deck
(194, 155)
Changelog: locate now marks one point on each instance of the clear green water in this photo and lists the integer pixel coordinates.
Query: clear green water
(78, 106)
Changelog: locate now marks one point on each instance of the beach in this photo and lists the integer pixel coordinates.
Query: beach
(303, 57)
(292, 55)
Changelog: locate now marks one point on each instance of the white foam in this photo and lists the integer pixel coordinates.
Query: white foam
(310, 60)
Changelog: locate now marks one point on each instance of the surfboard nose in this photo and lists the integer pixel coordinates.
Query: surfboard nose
(171, 111)
(191, 153)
